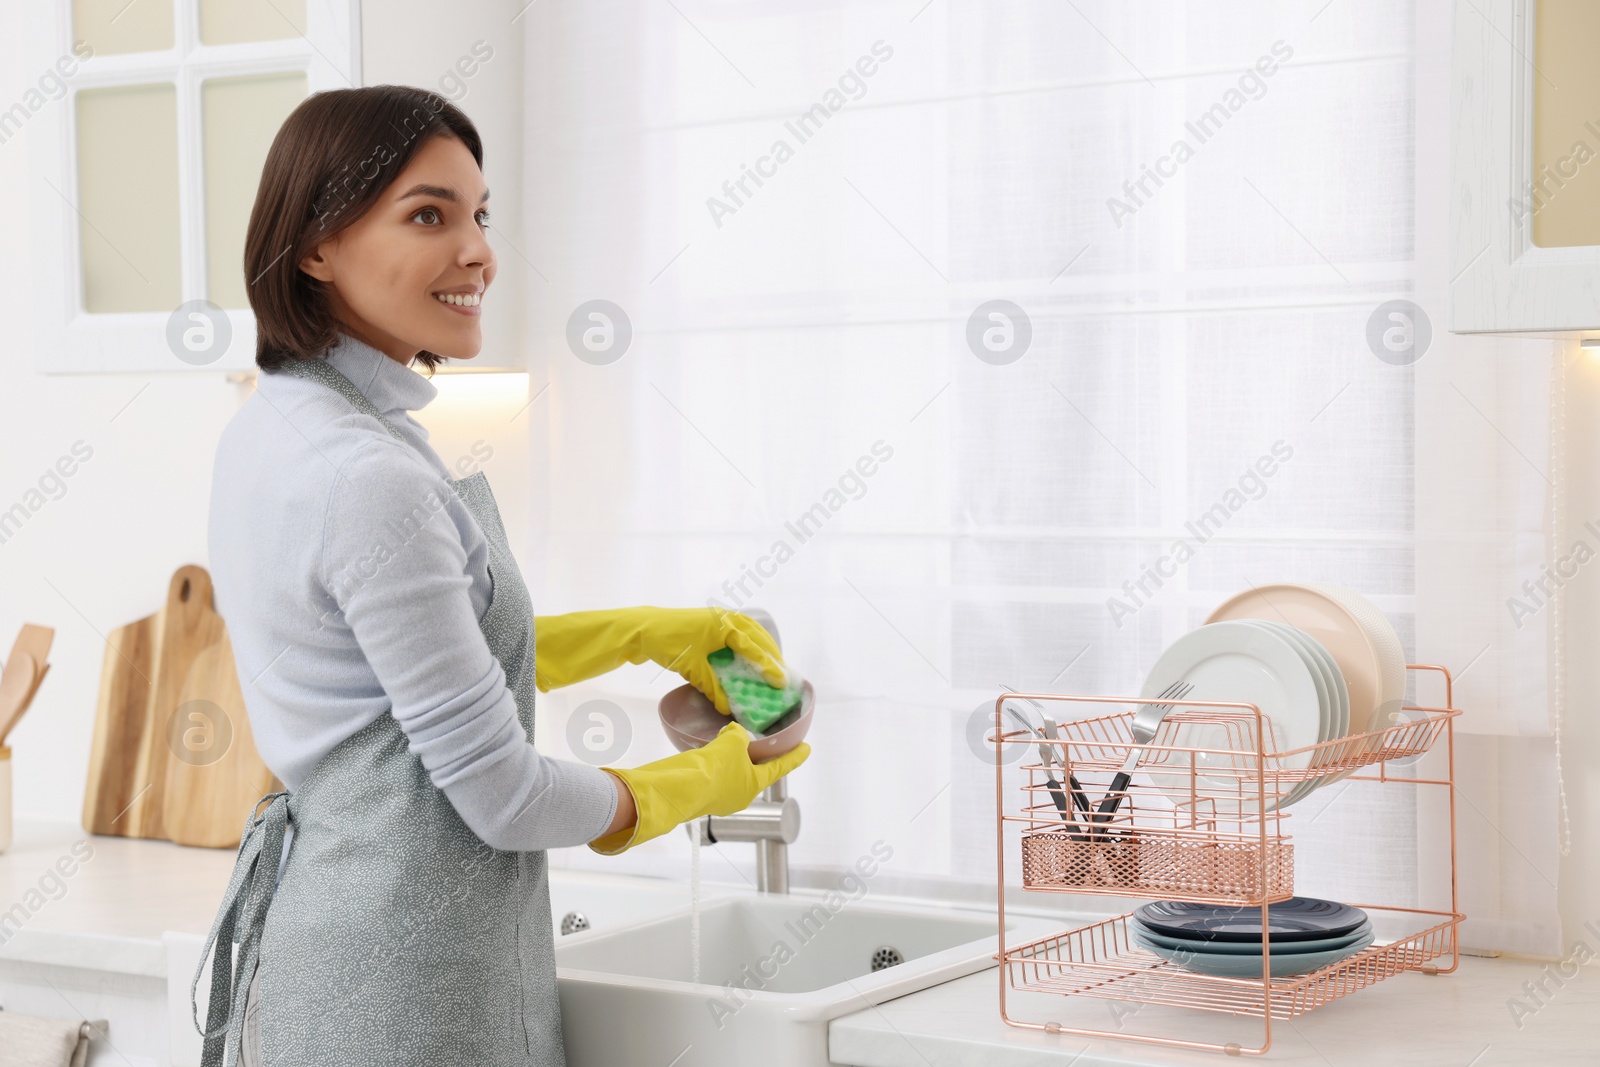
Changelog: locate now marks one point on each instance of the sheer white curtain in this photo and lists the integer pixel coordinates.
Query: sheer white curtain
(799, 208)
(1490, 482)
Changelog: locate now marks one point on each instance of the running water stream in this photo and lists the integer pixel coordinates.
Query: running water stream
(694, 903)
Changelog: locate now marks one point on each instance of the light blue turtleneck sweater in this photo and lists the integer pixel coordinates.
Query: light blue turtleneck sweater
(303, 489)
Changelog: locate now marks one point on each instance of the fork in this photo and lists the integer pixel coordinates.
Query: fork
(1145, 723)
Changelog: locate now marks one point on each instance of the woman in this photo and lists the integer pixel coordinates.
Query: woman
(392, 906)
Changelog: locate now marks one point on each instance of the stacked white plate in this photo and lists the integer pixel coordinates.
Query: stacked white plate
(1352, 630)
(1320, 662)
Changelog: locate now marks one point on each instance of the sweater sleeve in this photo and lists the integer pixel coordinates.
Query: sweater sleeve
(393, 561)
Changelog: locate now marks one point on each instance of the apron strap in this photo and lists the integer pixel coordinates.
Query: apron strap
(241, 919)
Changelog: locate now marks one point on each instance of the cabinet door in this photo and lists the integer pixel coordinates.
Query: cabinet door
(1525, 205)
(147, 126)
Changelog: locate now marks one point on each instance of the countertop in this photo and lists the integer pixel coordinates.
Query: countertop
(1462, 1019)
(107, 910)
(110, 911)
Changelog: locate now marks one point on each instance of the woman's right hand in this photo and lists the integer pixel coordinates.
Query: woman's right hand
(584, 644)
(715, 779)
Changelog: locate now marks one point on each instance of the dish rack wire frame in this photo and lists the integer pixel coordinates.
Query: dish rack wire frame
(1101, 959)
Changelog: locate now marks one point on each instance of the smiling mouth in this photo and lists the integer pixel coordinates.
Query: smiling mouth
(470, 300)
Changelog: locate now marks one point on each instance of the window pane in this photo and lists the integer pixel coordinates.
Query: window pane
(240, 116)
(128, 198)
(230, 22)
(113, 26)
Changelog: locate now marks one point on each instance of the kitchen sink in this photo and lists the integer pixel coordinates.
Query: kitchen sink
(588, 903)
(773, 971)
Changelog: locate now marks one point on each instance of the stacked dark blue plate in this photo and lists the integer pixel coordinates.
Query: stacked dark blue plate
(1305, 934)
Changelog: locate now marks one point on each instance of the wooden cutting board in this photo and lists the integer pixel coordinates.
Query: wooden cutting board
(172, 755)
(217, 774)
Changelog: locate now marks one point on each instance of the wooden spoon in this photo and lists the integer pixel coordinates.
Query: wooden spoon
(38, 680)
(35, 641)
(16, 686)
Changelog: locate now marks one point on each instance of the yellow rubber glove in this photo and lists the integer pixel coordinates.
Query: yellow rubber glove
(714, 779)
(583, 644)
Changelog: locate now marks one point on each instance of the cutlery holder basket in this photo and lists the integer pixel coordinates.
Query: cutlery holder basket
(1135, 862)
(1214, 836)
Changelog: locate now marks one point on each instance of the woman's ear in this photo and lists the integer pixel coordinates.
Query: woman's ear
(317, 264)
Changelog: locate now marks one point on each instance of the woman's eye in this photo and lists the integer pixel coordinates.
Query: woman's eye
(483, 216)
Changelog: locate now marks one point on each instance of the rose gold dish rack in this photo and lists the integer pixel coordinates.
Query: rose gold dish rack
(1203, 823)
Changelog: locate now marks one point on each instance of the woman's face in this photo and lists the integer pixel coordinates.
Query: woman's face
(423, 237)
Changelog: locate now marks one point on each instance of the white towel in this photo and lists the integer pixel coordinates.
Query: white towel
(34, 1041)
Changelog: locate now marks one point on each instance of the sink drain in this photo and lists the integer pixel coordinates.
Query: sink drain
(887, 956)
(573, 921)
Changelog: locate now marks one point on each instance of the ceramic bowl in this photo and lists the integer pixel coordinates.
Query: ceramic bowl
(691, 720)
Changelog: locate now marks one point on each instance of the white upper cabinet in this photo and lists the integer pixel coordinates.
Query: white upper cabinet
(1525, 206)
(147, 127)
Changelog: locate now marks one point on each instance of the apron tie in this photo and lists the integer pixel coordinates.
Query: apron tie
(255, 873)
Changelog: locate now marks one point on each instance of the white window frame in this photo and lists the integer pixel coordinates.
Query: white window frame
(1503, 282)
(68, 338)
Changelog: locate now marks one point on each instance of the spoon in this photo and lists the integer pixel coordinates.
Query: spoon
(16, 685)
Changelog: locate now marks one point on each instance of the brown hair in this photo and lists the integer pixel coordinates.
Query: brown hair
(329, 163)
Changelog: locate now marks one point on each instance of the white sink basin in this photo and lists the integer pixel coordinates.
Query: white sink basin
(608, 902)
(773, 971)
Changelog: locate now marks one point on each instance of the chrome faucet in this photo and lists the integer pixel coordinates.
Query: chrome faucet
(771, 822)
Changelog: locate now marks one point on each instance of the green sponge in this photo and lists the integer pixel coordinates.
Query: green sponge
(755, 704)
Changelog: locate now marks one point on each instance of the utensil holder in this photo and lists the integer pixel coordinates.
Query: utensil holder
(1157, 861)
(5, 798)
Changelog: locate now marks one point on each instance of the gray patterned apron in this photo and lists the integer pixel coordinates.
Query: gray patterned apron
(396, 937)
